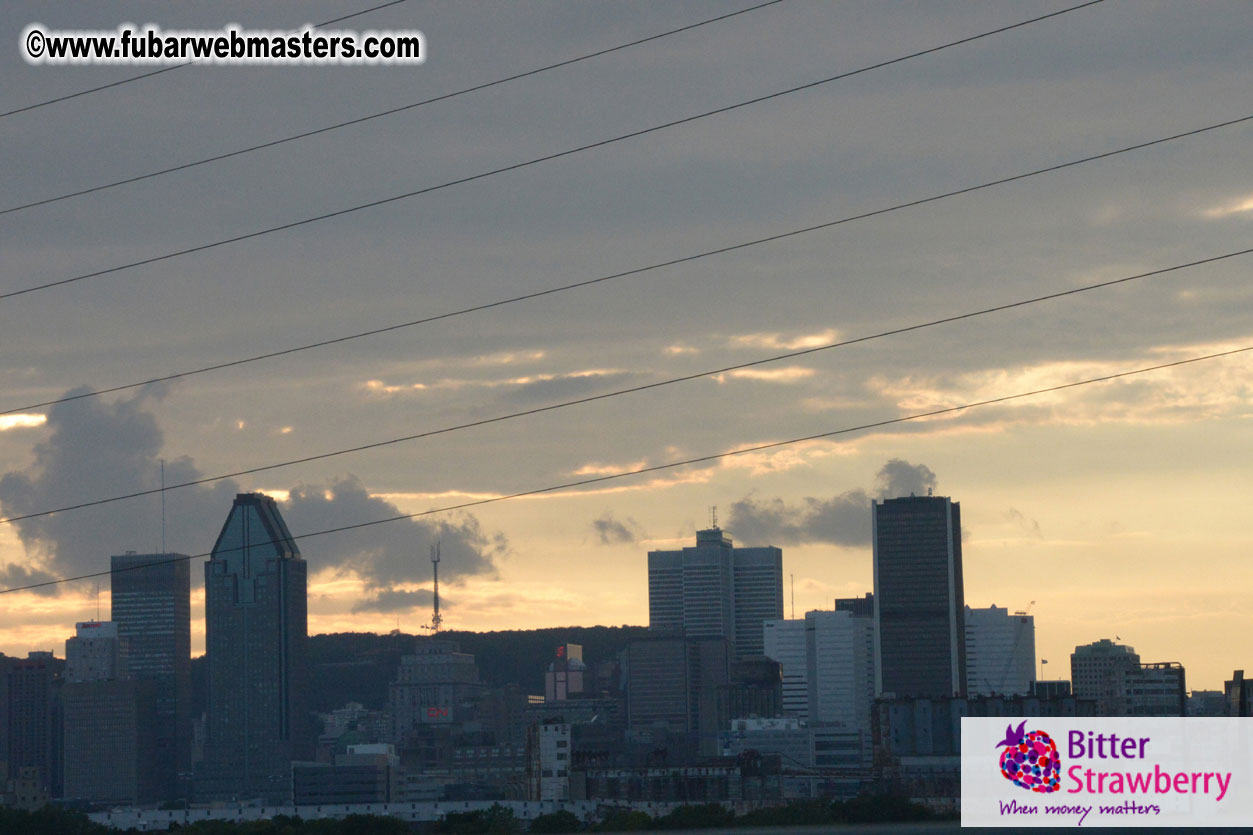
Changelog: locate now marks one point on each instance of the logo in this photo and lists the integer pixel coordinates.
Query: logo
(1030, 760)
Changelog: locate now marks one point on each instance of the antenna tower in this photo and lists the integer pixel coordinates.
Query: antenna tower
(713, 517)
(437, 619)
(792, 577)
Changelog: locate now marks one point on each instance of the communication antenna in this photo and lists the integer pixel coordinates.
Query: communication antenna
(97, 602)
(713, 517)
(162, 505)
(792, 577)
(436, 619)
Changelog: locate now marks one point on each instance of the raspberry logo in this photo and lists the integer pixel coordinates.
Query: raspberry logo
(1030, 760)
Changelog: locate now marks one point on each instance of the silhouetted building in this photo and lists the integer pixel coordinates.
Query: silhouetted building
(1094, 671)
(109, 741)
(151, 606)
(1050, 689)
(256, 636)
(714, 590)
(666, 675)
(920, 630)
(858, 607)
(1239, 693)
(436, 685)
(1000, 652)
(1206, 703)
(28, 718)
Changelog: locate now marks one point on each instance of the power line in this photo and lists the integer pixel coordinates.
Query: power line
(378, 115)
(688, 461)
(631, 390)
(534, 161)
(120, 82)
(636, 271)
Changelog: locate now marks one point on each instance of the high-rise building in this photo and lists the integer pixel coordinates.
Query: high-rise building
(109, 739)
(840, 663)
(151, 596)
(1095, 670)
(96, 653)
(714, 590)
(1000, 652)
(255, 646)
(785, 643)
(920, 631)
(28, 723)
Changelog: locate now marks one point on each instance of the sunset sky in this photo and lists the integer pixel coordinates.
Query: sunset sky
(1116, 509)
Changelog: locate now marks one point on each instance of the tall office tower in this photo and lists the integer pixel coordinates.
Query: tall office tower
(152, 609)
(667, 674)
(785, 642)
(255, 646)
(109, 739)
(839, 654)
(920, 610)
(1094, 673)
(1000, 652)
(714, 590)
(27, 716)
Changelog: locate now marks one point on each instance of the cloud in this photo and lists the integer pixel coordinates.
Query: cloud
(839, 520)
(779, 342)
(790, 374)
(396, 600)
(1028, 525)
(96, 448)
(385, 555)
(612, 532)
(900, 478)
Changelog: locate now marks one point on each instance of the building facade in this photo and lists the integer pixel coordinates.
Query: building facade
(256, 636)
(714, 590)
(920, 631)
(1000, 652)
(151, 606)
(785, 642)
(1095, 671)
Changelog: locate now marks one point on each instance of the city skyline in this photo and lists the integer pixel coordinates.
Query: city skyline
(1118, 508)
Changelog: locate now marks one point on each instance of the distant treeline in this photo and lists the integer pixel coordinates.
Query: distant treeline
(359, 666)
(499, 820)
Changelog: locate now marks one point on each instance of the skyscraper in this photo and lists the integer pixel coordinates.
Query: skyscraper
(152, 609)
(714, 590)
(255, 641)
(920, 630)
(109, 739)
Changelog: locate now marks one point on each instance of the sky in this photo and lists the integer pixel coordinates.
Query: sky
(1114, 510)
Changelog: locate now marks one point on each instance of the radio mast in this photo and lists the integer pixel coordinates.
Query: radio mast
(436, 619)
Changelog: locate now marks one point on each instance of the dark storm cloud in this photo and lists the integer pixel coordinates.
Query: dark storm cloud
(612, 532)
(839, 520)
(96, 448)
(388, 554)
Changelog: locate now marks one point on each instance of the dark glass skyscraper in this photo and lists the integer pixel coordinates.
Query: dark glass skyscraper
(256, 635)
(152, 609)
(920, 629)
